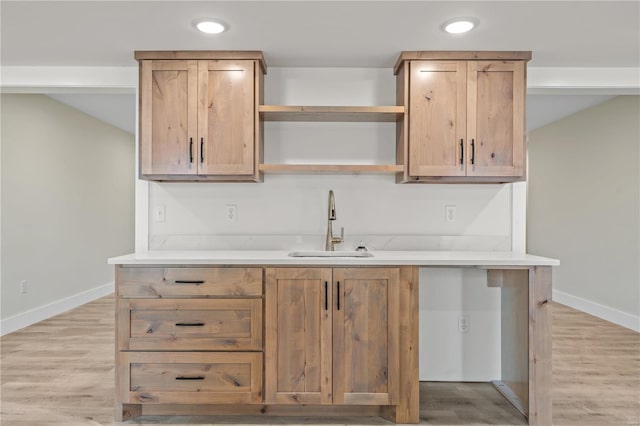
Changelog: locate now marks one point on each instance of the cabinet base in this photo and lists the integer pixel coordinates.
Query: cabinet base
(129, 411)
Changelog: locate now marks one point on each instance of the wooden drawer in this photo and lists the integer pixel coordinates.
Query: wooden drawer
(190, 378)
(190, 324)
(188, 282)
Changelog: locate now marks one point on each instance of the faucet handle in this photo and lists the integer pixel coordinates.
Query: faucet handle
(341, 233)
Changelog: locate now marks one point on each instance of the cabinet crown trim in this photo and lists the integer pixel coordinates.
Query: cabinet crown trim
(214, 55)
(460, 55)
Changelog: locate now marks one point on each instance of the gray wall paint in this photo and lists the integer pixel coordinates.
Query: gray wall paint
(67, 201)
(584, 202)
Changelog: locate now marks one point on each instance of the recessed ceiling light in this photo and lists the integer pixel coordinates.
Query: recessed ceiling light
(210, 26)
(459, 25)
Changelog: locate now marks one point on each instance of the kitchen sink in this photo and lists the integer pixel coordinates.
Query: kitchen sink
(321, 253)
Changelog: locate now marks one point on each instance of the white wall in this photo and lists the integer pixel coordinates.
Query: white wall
(584, 207)
(290, 212)
(67, 205)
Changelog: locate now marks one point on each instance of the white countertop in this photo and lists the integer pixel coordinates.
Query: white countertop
(280, 257)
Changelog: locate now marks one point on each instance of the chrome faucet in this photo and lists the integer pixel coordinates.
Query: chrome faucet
(331, 240)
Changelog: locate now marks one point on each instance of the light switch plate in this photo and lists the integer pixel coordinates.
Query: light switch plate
(159, 213)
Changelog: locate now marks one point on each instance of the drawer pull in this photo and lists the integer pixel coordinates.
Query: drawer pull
(190, 378)
(196, 282)
(189, 324)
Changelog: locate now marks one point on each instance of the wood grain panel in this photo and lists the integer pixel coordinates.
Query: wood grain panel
(168, 102)
(192, 324)
(365, 333)
(331, 113)
(540, 408)
(495, 126)
(158, 282)
(460, 55)
(402, 126)
(407, 409)
(437, 118)
(226, 111)
(298, 336)
(192, 377)
(515, 334)
(251, 55)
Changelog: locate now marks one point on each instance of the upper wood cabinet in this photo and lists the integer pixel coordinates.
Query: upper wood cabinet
(199, 115)
(332, 336)
(465, 116)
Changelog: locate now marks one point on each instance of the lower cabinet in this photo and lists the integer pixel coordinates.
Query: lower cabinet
(188, 335)
(273, 340)
(332, 336)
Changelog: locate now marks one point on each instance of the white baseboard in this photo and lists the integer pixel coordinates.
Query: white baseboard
(32, 316)
(601, 311)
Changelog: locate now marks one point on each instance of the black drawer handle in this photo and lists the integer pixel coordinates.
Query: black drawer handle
(190, 150)
(190, 378)
(473, 151)
(196, 282)
(189, 324)
(338, 294)
(326, 296)
(461, 151)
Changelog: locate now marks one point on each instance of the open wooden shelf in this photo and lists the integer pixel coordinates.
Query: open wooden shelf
(331, 113)
(331, 168)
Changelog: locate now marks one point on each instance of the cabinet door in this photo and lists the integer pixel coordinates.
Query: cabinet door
(298, 336)
(437, 118)
(226, 117)
(365, 336)
(168, 117)
(495, 118)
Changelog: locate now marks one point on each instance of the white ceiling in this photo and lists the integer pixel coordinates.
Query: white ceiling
(319, 33)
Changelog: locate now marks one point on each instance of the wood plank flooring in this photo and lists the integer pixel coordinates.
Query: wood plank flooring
(60, 373)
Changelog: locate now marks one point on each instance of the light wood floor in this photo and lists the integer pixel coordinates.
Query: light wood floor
(60, 372)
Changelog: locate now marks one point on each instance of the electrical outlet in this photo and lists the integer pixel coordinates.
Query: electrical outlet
(463, 323)
(231, 213)
(450, 214)
(23, 287)
(159, 213)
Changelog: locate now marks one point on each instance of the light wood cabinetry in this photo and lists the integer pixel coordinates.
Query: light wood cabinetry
(188, 336)
(465, 120)
(199, 115)
(332, 336)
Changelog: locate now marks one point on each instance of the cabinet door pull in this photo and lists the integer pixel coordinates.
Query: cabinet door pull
(191, 150)
(202, 150)
(473, 151)
(196, 282)
(326, 296)
(461, 151)
(189, 324)
(190, 378)
(338, 295)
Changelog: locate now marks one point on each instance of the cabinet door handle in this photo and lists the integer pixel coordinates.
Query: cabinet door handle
(473, 151)
(190, 378)
(196, 282)
(326, 296)
(338, 295)
(461, 151)
(191, 150)
(202, 150)
(189, 324)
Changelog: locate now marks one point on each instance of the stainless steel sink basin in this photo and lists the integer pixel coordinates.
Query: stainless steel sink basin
(321, 253)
